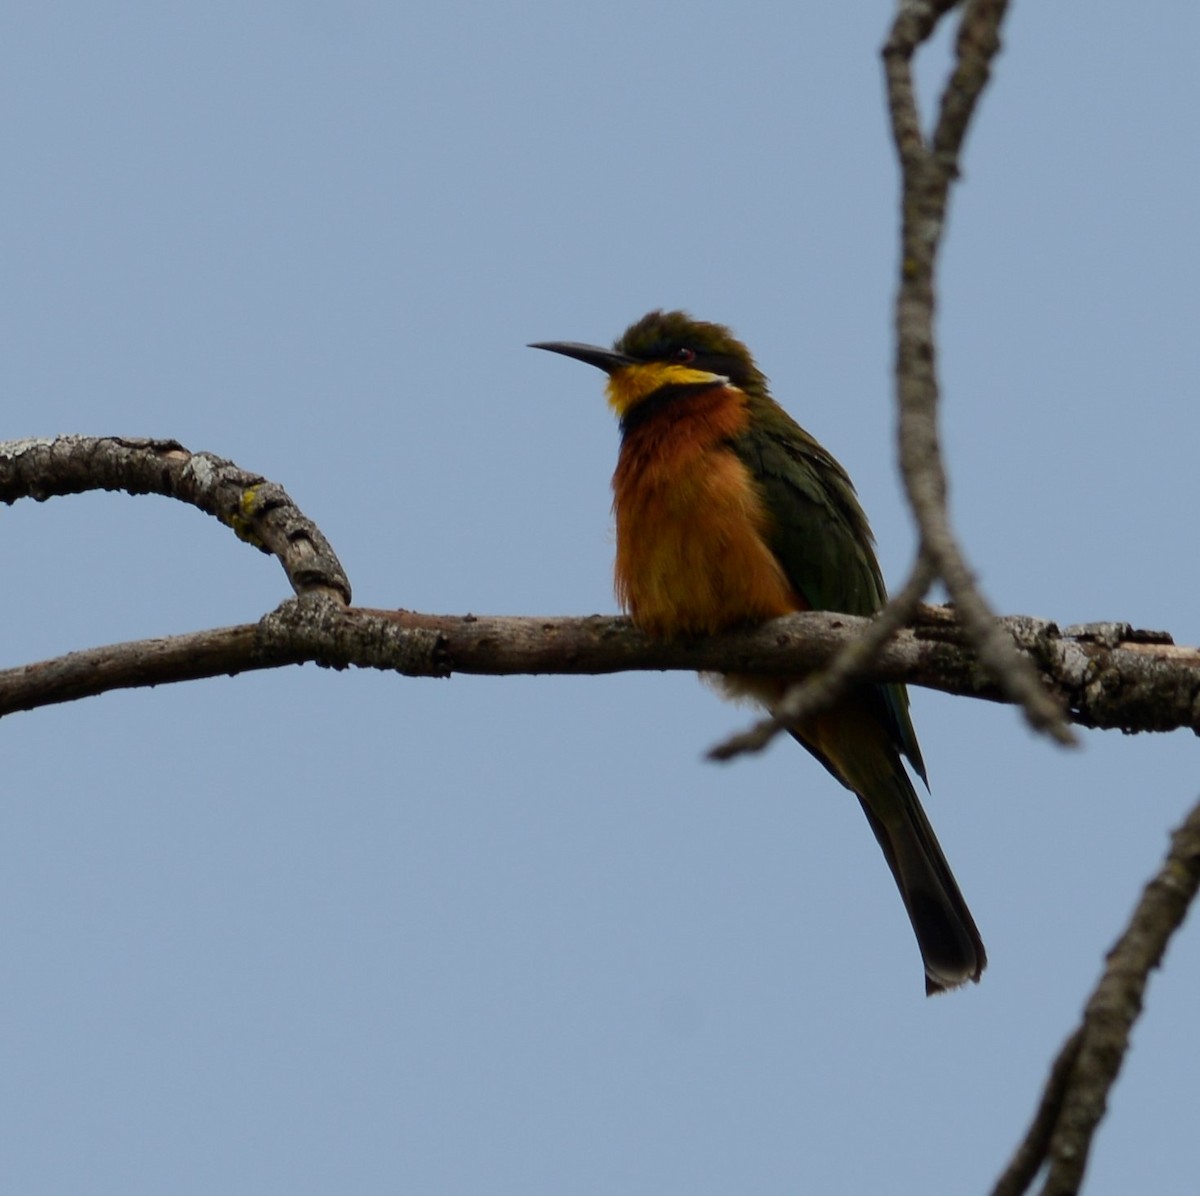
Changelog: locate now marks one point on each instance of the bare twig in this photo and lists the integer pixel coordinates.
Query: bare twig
(820, 690)
(1030, 1156)
(927, 170)
(1076, 1094)
(259, 512)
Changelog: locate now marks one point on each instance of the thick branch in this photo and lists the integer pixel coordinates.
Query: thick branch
(259, 512)
(1107, 675)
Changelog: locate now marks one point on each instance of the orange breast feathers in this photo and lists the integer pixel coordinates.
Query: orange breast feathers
(692, 553)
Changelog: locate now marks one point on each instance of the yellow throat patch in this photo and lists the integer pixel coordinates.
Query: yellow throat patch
(632, 384)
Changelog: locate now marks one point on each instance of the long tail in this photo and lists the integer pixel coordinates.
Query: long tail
(949, 940)
(855, 749)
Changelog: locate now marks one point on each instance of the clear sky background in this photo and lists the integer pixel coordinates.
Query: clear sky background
(315, 932)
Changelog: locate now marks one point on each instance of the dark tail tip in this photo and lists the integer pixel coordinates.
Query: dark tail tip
(951, 948)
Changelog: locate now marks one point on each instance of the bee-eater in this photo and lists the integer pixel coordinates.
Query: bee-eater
(728, 512)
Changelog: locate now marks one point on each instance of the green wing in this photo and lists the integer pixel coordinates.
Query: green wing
(822, 539)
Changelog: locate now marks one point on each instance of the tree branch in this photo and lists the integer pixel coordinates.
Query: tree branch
(1107, 675)
(259, 512)
(822, 689)
(1076, 1094)
(928, 170)
(1031, 1153)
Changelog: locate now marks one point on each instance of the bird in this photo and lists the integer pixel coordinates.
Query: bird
(727, 513)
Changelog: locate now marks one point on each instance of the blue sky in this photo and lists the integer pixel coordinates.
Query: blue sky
(314, 932)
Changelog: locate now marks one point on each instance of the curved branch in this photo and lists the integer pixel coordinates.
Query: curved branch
(927, 172)
(1107, 675)
(258, 511)
(1076, 1094)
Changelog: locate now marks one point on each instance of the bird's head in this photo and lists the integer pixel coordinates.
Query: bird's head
(665, 354)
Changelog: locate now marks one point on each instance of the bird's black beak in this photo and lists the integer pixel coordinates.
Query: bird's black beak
(602, 359)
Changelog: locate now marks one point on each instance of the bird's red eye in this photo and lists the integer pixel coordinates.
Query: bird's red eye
(684, 355)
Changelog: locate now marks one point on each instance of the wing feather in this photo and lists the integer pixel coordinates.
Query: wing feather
(821, 536)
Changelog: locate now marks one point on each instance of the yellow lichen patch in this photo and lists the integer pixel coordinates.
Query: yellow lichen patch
(242, 521)
(630, 384)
